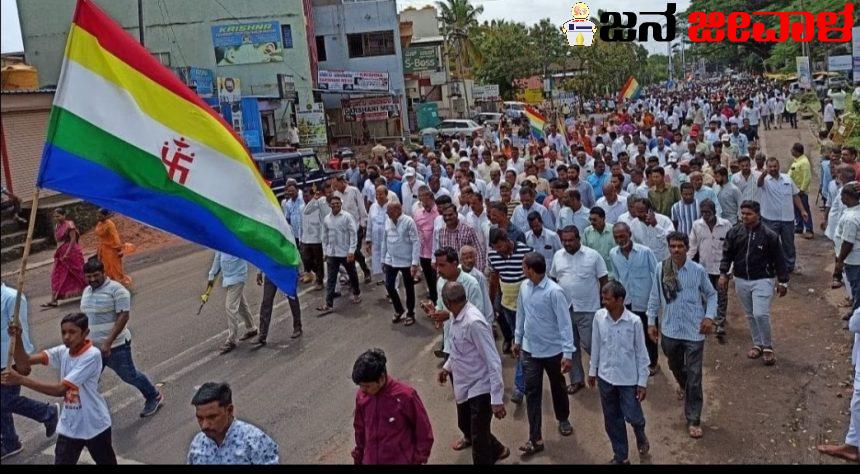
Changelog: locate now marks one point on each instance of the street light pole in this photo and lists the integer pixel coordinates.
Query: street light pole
(140, 25)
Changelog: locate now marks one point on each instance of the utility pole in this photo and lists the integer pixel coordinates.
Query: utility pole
(140, 24)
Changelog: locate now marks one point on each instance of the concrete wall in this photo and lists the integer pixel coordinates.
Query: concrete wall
(424, 22)
(336, 20)
(25, 120)
(181, 28)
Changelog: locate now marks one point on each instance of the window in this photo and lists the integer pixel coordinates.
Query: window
(321, 48)
(376, 43)
(163, 58)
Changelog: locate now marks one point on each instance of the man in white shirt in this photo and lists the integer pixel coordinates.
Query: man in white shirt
(829, 115)
(340, 244)
(619, 368)
(476, 370)
(611, 204)
(779, 196)
(543, 241)
(400, 251)
(581, 272)
(353, 204)
(850, 450)
(651, 229)
(706, 241)
(746, 180)
(468, 260)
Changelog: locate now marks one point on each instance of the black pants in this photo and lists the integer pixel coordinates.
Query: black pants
(333, 264)
(653, 353)
(314, 260)
(792, 119)
(429, 277)
(269, 292)
(359, 257)
(685, 362)
(473, 418)
(68, 450)
(408, 282)
(533, 370)
(722, 304)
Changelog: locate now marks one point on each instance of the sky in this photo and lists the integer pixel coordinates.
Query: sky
(528, 12)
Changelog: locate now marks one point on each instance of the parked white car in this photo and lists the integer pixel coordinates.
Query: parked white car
(453, 127)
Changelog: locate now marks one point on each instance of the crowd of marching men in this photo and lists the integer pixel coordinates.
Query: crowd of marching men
(618, 236)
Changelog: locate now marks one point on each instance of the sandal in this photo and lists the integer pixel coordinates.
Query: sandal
(769, 357)
(679, 393)
(355, 299)
(409, 321)
(49, 305)
(754, 353)
(531, 448)
(397, 318)
(461, 444)
(695, 431)
(574, 387)
(324, 310)
(227, 347)
(836, 284)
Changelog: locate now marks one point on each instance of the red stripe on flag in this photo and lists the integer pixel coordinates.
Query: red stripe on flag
(118, 42)
(532, 111)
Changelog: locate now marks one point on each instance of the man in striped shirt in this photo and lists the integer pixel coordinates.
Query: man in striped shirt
(685, 211)
(107, 305)
(506, 263)
(679, 289)
(458, 234)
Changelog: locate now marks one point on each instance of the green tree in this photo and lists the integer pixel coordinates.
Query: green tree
(505, 54)
(458, 19)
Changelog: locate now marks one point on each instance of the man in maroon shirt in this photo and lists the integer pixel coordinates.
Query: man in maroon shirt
(391, 424)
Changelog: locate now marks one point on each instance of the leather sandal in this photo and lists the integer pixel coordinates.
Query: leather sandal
(531, 448)
(769, 357)
(755, 352)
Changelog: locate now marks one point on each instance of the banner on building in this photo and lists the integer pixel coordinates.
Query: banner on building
(371, 108)
(229, 90)
(839, 63)
(352, 80)
(200, 79)
(531, 96)
(312, 129)
(856, 53)
(804, 74)
(420, 58)
(486, 93)
(247, 43)
(287, 88)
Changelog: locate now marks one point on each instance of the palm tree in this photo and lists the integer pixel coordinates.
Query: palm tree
(458, 18)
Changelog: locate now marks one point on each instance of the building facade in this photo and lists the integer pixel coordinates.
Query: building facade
(253, 41)
(361, 36)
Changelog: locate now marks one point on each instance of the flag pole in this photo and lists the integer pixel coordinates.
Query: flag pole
(16, 318)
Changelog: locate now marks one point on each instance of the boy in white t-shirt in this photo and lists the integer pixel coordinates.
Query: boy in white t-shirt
(85, 419)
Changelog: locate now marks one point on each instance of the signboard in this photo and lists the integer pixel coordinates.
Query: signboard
(420, 58)
(486, 93)
(372, 108)
(352, 80)
(312, 129)
(287, 88)
(804, 74)
(287, 36)
(438, 78)
(839, 63)
(199, 79)
(247, 43)
(229, 90)
(533, 96)
(856, 53)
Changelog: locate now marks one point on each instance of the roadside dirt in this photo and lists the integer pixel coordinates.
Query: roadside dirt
(143, 237)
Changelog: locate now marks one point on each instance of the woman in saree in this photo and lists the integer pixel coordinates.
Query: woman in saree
(110, 249)
(67, 276)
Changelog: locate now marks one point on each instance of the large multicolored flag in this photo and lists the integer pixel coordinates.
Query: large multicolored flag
(630, 90)
(536, 121)
(127, 135)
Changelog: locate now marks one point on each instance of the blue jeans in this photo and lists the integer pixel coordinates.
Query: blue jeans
(519, 379)
(122, 364)
(801, 225)
(785, 231)
(11, 402)
(619, 405)
(852, 272)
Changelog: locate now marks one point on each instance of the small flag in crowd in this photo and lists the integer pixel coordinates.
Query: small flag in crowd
(631, 89)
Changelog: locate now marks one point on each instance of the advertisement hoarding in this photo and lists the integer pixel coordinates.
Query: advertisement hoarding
(247, 43)
(486, 93)
(372, 108)
(352, 80)
(420, 58)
